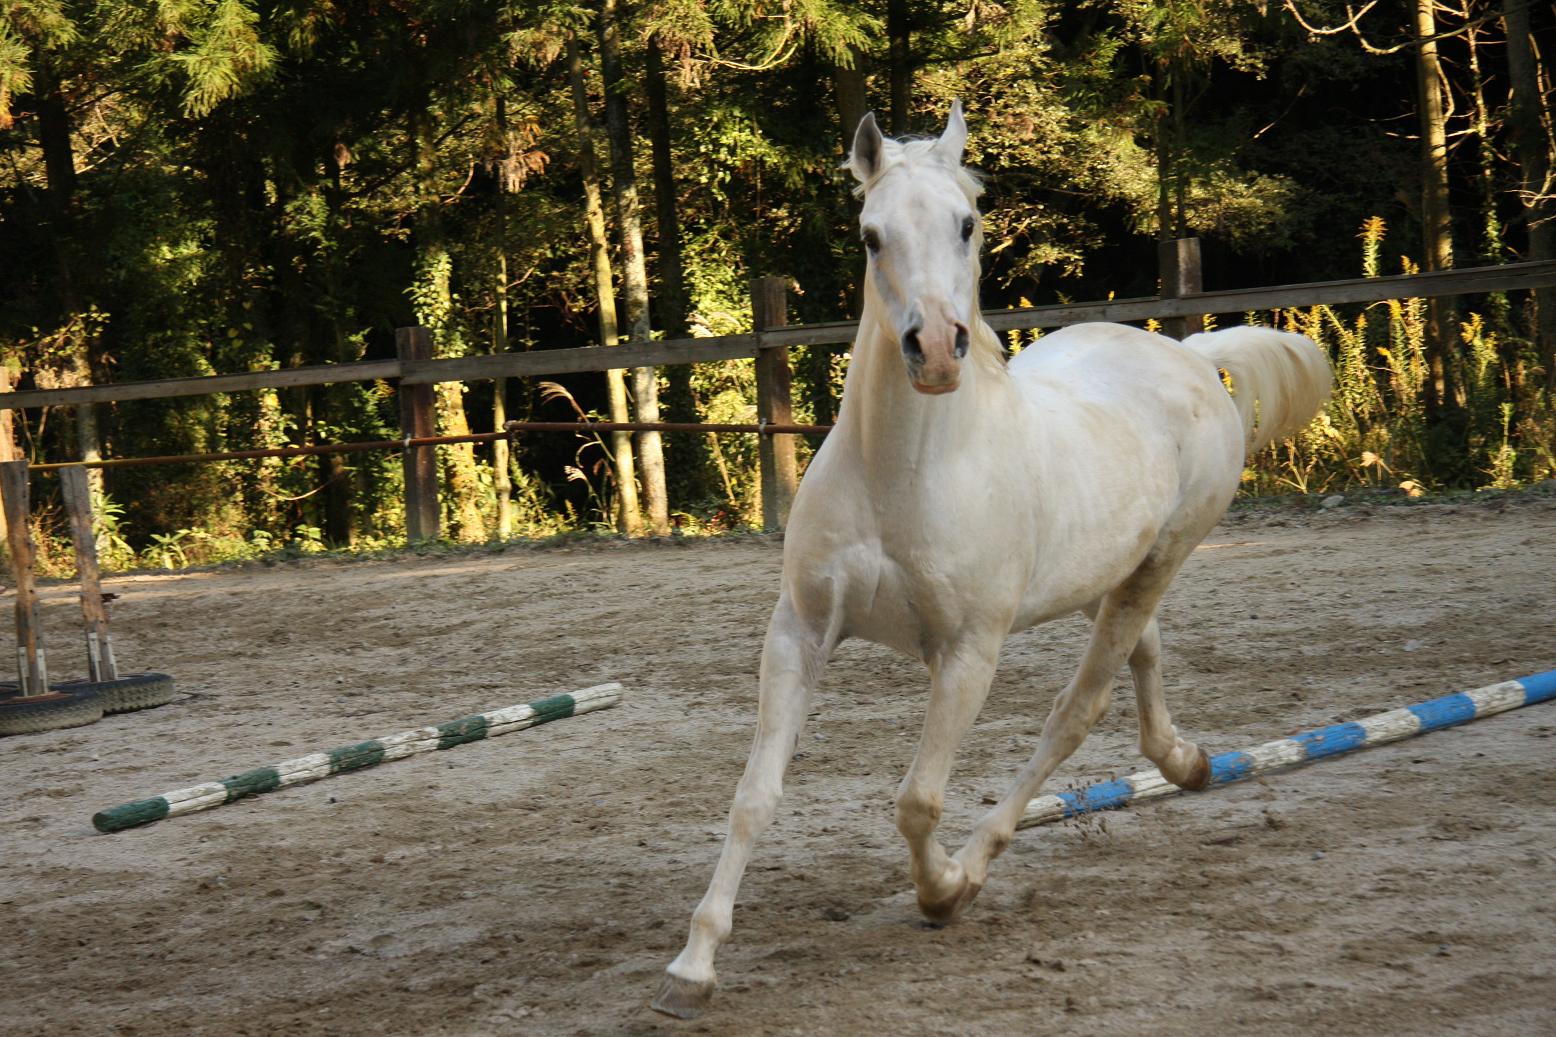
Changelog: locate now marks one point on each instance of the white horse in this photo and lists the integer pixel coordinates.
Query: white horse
(961, 498)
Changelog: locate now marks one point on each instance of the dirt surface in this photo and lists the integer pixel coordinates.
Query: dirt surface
(538, 883)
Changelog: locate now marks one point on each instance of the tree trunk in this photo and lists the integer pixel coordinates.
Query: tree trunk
(59, 165)
(672, 277)
(1162, 144)
(1436, 223)
(339, 516)
(645, 380)
(629, 517)
(1533, 147)
(502, 480)
(851, 102)
(434, 309)
(674, 308)
(900, 46)
(1490, 250)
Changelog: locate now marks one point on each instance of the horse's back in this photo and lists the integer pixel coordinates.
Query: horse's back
(1113, 361)
(1135, 382)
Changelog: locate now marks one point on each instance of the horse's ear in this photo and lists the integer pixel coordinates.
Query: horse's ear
(954, 140)
(865, 158)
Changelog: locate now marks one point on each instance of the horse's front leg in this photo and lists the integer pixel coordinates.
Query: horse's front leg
(959, 684)
(792, 660)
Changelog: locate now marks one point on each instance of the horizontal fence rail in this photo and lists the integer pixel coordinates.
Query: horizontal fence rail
(1510, 277)
(513, 428)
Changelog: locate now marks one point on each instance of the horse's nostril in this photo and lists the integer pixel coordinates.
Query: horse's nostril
(910, 344)
(961, 342)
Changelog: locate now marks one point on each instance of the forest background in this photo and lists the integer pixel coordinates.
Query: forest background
(212, 186)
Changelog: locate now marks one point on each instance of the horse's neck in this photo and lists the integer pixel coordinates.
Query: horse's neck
(896, 431)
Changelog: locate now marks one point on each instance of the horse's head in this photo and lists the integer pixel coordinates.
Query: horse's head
(921, 227)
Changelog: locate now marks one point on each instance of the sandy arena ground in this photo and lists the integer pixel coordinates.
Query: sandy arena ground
(537, 884)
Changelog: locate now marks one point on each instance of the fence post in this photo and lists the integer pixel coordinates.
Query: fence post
(31, 668)
(417, 422)
(774, 403)
(76, 489)
(7, 440)
(1182, 275)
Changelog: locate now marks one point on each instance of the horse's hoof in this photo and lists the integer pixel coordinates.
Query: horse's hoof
(1199, 777)
(682, 998)
(945, 910)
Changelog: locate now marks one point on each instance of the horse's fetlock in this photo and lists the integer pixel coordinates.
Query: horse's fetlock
(918, 809)
(1155, 748)
(712, 924)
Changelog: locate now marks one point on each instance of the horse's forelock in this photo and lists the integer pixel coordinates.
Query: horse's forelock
(920, 151)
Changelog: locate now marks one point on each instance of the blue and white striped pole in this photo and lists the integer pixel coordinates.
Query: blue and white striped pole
(1396, 724)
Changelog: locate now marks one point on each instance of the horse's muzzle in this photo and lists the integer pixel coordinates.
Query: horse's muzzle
(934, 358)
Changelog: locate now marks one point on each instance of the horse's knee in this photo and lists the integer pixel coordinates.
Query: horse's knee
(751, 811)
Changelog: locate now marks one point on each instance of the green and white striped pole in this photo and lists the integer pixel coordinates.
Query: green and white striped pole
(356, 757)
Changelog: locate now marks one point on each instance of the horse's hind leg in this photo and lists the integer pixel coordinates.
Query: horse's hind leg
(792, 660)
(1122, 617)
(1180, 761)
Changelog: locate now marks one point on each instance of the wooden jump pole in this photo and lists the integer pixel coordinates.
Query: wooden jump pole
(32, 670)
(77, 491)
(1225, 768)
(356, 757)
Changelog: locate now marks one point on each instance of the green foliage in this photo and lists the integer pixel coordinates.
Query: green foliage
(1374, 432)
(258, 184)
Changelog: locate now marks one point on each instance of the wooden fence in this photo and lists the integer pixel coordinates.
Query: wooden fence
(1181, 308)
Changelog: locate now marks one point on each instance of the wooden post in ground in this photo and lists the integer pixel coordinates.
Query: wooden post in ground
(417, 422)
(774, 404)
(7, 438)
(31, 668)
(1182, 275)
(77, 491)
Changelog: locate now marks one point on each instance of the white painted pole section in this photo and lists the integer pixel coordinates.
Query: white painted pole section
(1392, 726)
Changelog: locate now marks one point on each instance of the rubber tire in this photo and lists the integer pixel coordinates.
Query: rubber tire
(34, 714)
(128, 693)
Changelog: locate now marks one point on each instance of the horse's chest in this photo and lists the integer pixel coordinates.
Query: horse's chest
(914, 606)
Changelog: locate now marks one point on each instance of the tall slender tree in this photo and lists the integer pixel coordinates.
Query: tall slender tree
(629, 516)
(1436, 221)
(645, 380)
(1534, 148)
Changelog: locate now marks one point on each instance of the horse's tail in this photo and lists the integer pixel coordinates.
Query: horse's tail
(1279, 380)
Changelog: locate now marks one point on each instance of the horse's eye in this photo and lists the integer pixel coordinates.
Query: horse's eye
(967, 228)
(872, 240)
